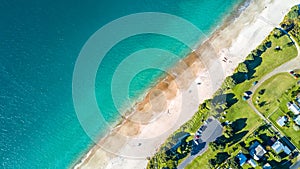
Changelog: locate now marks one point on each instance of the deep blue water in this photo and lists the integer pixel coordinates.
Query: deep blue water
(39, 44)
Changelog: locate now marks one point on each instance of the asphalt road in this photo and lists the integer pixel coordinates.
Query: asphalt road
(211, 133)
(286, 67)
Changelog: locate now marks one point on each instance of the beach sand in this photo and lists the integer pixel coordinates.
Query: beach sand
(176, 98)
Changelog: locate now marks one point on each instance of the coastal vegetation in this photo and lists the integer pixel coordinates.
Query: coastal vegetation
(278, 91)
(241, 124)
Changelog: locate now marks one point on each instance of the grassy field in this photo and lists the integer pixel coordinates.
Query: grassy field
(260, 66)
(240, 110)
(276, 96)
(274, 93)
(269, 60)
(293, 135)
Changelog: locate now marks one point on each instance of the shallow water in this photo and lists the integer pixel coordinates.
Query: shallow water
(39, 45)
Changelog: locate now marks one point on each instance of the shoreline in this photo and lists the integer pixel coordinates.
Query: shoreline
(169, 91)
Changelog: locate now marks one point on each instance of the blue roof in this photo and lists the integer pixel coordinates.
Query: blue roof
(277, 147)
(242, 158)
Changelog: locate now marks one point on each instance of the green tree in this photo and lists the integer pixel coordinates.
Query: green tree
(242, 67)
(228, 131)
(221, 157)
(229, 82)
(277, 33)
(250, 57)
(232, 163)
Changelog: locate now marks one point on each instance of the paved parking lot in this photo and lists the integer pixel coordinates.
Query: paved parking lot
(211, 131)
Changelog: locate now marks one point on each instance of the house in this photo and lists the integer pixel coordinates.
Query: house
(282, 120)
(293, 107)
(297, 120)
(267, 166)
(257, 151)
(242, 158)
(252, 162)
(298, 97)
(278, 147)
(285, 141)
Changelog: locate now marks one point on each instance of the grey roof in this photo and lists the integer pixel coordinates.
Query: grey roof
(257, 151)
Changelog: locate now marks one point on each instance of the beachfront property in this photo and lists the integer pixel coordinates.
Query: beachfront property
(293, 107)
(257, 151)
(282, 121)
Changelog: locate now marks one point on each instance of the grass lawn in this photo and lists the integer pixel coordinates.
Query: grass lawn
(293, 135)
(274, 89)
(270, 59)
(240, 110)
(202, 161)
(275, 97)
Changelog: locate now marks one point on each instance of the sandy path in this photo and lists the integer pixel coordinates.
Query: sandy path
(174, 100)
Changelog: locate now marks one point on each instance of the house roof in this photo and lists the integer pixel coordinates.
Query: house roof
(267, 166)
(277, 146)
(242, 158)
(286, 150)
(282, 120)
(257, 151)
(294, 108)
(252, 162)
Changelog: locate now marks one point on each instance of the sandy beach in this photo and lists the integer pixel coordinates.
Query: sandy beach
(176, 98)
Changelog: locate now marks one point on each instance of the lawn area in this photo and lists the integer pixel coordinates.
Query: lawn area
(289, 131)
(273, 90)
(258, 67)
(202, 161)
(277, 94)
(239, 111)
(269, 60)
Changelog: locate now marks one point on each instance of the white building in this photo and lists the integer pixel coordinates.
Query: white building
(293, 107)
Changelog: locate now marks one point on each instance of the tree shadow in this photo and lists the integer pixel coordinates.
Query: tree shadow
(223, 101)
(238, 124)
(240, 77)
(221, 157)
(262, 91)
(266, 139)
(284, 164)
(237, 137)
(197, 148)
(230, 100)
(261, 104)
(264, 127)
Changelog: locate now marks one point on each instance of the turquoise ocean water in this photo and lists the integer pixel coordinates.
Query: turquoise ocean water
(39, 44)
